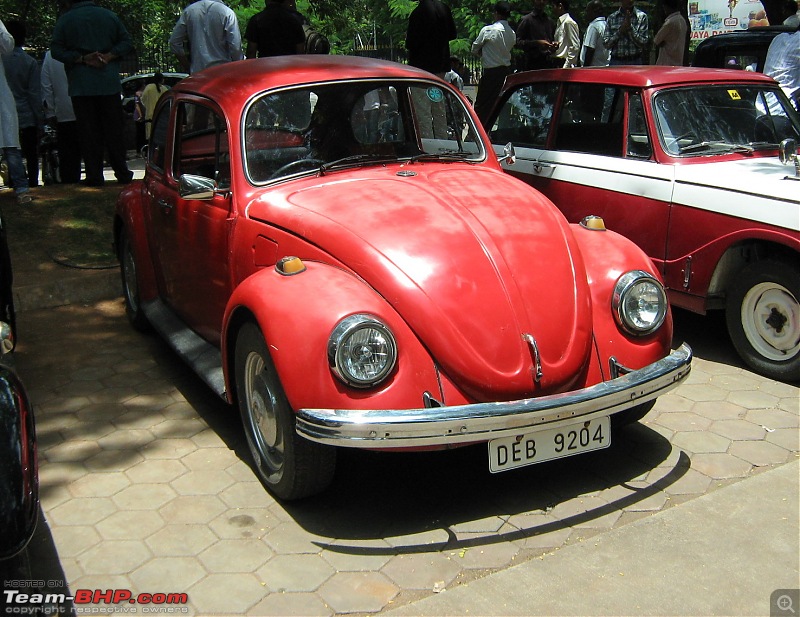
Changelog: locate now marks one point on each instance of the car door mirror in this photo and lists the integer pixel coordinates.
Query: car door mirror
(6, 338)
(509, 154)
(196, 187)
(787, 151)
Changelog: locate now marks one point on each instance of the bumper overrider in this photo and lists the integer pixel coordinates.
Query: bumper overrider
(459, 424)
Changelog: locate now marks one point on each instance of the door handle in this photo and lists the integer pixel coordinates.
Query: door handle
(165, 205)
(539, 166)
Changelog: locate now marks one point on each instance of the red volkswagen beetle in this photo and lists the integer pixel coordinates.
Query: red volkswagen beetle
(332, 245)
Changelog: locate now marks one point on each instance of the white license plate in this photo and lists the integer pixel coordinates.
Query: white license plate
(520, 450)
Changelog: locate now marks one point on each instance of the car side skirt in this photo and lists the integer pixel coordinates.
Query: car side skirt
(460, 424)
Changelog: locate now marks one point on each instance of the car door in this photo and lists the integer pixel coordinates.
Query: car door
(190, 236)
(588, 148)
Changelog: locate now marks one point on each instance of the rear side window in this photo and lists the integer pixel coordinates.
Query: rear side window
(526, 115)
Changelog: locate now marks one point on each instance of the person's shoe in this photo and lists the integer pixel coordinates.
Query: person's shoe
(126, 179)
(24, 198)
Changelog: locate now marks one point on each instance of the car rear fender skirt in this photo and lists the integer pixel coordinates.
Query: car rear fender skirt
(406, 428)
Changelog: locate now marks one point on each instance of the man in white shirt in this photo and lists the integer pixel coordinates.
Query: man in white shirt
(211, 31)
(671, 37)
(58, 109)
(567, 37)
(594, 52)
(783, 64)
(493, 45)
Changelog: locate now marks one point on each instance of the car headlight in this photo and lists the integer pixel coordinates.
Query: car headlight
(361, 351)
(639, 303)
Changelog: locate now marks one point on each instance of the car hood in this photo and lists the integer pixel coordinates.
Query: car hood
(756, 188)
(472, 259)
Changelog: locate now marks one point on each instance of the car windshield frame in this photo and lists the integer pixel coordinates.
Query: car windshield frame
(714, 119)
(320, 127)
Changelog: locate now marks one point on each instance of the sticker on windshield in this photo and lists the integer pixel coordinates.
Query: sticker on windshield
(435, 94)
(734, 94)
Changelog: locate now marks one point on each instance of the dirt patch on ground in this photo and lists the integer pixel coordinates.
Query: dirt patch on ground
(68, 226)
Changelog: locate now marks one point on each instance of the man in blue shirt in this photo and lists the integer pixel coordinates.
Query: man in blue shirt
(90, 41)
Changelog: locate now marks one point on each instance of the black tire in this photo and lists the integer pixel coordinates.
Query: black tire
(763, 318)
(634, 414)
(130, 285)
(289, 466)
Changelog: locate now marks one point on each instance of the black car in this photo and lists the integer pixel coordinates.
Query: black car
(743, 49)
(19, 480)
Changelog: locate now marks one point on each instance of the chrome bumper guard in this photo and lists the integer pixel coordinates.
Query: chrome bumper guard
(459, 424)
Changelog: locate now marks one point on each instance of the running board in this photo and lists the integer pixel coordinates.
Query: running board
(199, 354)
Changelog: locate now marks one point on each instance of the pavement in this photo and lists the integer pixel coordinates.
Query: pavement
(146, 486)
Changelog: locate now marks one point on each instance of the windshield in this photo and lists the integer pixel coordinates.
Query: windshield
(325, 126)
(699, 121)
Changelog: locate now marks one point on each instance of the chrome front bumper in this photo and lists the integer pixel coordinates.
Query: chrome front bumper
(405, 428)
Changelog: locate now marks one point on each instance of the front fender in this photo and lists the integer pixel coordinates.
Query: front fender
(607, 256)
(19, 480)
(129, 218)
(296, 315)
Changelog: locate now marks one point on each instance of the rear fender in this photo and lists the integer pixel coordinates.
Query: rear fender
(607, 256)
(130, 219)
(296, 315)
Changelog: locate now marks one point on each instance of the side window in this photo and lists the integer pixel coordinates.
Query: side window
(201, 147)
(158, 138)
(526, 115)
(638, 139)
(591, 120)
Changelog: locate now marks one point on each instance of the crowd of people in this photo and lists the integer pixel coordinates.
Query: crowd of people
(77, 89)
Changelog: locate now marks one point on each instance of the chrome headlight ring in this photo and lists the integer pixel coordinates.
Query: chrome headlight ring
(362, 351)
(639, 303)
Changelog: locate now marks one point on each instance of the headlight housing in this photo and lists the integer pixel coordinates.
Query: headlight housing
(639, 303)
(362, 351)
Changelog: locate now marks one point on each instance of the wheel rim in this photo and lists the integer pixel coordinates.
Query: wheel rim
(262, 411)
(129, 275)
(771, 321)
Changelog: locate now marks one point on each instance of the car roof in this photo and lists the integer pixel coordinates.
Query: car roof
(246, 77)
(646, 76)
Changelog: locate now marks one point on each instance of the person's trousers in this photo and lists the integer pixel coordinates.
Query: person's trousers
(29, 146)
(69, 151)
(100, 123)
(16, 170)
(489, 87)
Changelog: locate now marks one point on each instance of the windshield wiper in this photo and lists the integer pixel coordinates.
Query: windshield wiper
(722, 146)
(446, 155)
(356, 159)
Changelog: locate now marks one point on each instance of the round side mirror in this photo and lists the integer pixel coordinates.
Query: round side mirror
(787, 151)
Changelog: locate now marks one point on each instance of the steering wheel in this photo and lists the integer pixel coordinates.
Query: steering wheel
(285, 170)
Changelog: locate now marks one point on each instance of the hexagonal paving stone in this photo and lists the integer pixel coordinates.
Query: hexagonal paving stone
(703, 392)
(788, 438)
(772, 418)
(295, 573)
(354, 555)
(247, 495)
(192, 509)
(357, 592)
(82, 511)
(204, 482)
(235, 556)
(683, 421)
(480, 554)
(209, 459)
(144, 496)
(99, 484)
(178, 428)
(759, 453)
(72, 540)
(701, 441)
(168, 448)
(114, 557)
(156, 471)
(222, 594)
(291, 538)
(167, 573)
(113, 460)
(719, 466)
(719, 410)
(130, 525)
(100, 412)
(692, 482)
(283, 604)
(126, 440)
(738, 430)
(70, 452)
(423, 570)
(244, 523)
(181, 540)
(753, 399)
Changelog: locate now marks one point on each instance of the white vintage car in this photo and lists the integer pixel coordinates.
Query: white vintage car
(697, 166)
